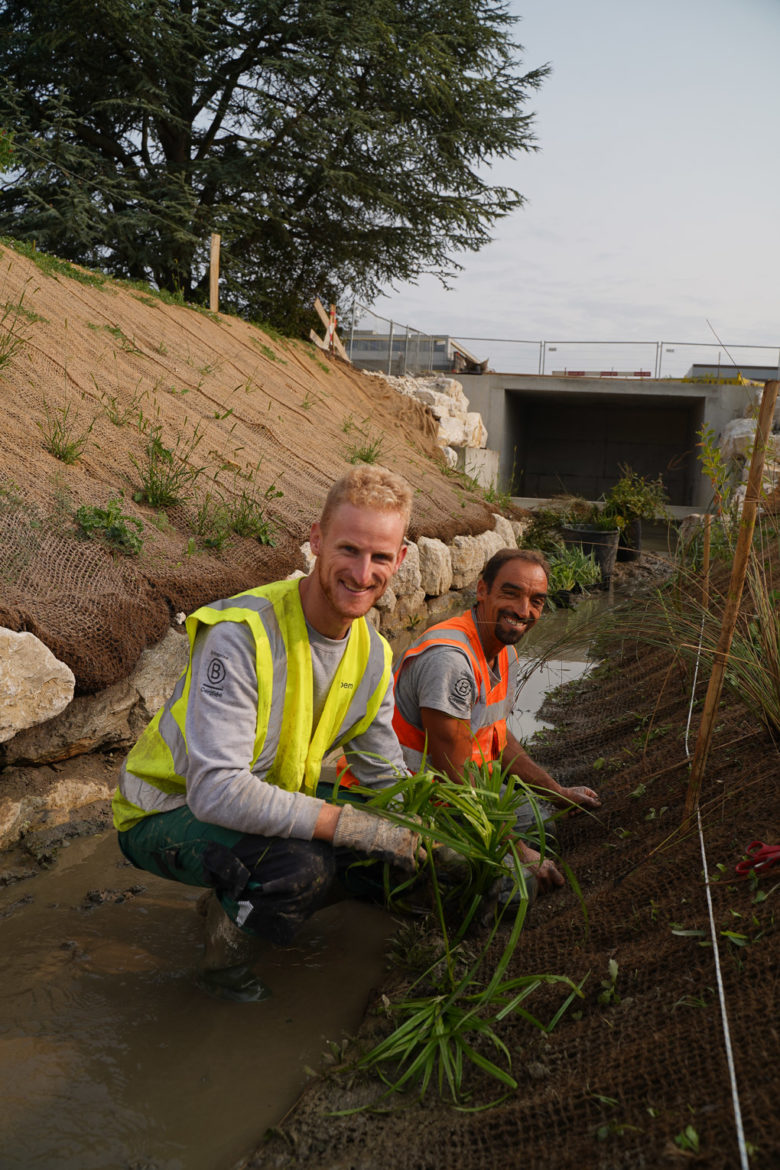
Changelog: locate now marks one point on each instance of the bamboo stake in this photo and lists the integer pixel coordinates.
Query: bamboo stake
(214, 274)
(736, 584)
(705, 563)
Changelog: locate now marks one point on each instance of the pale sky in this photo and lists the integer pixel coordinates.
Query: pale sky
(653, 204)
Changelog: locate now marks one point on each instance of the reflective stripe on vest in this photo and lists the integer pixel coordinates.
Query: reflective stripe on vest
(493, 703)
(288, 749)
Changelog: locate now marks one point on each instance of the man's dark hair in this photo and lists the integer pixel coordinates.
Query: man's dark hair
(504, 555)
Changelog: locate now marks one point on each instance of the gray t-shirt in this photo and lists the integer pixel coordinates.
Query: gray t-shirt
(221, 726)
(441, 678)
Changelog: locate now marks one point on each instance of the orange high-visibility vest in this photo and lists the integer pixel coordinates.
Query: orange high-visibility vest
(494, 701)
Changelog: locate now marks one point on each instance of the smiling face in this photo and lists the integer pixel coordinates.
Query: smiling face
(357, 553)
(510, 606)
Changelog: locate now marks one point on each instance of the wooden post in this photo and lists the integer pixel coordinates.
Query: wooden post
(214, 274)
(739, 570)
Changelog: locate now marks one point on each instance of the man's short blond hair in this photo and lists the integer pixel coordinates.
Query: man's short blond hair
(369, 486)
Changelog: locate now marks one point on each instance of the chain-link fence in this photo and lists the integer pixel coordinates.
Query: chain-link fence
(374, 342)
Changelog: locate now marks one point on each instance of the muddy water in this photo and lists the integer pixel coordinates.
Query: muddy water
(110, 1056)
(565, 635)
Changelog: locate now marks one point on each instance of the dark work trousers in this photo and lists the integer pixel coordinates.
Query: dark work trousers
(269, 886)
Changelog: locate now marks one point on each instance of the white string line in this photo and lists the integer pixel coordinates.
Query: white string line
(743, 1154)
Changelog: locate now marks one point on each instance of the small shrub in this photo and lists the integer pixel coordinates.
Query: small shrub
(634, 497)
(111, 526)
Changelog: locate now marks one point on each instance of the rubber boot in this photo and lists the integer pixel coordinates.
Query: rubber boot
(228, 953)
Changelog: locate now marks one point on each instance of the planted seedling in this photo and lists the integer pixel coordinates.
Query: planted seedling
(608, 994)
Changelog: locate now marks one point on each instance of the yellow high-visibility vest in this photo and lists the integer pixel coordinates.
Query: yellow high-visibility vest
(154, 775)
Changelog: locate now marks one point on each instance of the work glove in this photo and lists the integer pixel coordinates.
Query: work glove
(380, 839)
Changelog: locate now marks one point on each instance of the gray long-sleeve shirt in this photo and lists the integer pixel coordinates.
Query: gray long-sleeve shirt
(221, 729)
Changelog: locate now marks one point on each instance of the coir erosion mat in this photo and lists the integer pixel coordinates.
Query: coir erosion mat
(623, 1074)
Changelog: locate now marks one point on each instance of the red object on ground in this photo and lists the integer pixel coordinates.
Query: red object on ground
(759, 857)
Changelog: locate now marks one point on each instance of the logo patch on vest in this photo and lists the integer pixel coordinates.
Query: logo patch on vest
(215, 676)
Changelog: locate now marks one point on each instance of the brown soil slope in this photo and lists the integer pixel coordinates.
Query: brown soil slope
(256, 412)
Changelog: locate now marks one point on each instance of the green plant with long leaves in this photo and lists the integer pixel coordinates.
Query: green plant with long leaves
(454, 1006)
(167, 474)
(64, 436)
(571, 568)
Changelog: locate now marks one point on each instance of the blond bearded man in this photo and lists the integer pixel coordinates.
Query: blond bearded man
(221, 790)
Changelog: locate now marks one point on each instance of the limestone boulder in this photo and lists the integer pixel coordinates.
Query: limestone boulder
(113, 718)
(441, 406)
(435, 566)
(155, 676)
(490, 543)
(467, 554)
(453, 431)
(386, 603)
(520, 527)
(505, 530)
(407, 580)
(476, 431)
(411, 607)
(88, 723)
(34, 684)
(738, 438)
(308, 556)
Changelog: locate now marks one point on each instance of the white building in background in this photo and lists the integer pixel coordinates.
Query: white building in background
(410, 352)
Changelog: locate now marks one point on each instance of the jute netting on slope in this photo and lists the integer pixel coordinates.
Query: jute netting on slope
(258, 414)
(621, 1076)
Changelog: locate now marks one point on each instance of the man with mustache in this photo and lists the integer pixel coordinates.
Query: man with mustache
(456, 685)
(223, 788)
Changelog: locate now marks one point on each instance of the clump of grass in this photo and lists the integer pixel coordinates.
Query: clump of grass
(247, 513)
(111, 526)
(366, 447)
(453, 1008)
(167, 474)
(63, 436)
(116, 332)
(14, 317)
(212, 522)
(267, 352)
(117, 412)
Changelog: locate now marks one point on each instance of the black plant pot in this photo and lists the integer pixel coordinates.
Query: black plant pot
(630, 544)
(602, 542)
